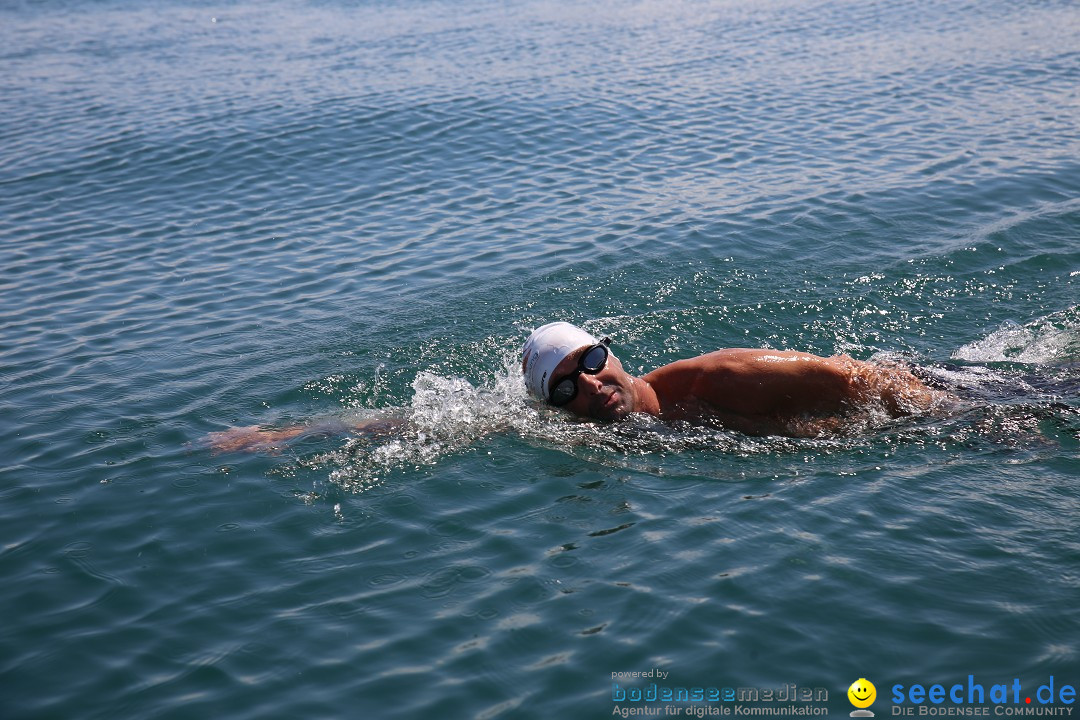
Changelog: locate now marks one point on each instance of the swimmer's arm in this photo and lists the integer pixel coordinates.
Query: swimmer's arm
(256, 438)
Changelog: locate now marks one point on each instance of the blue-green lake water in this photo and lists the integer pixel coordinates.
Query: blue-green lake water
(235, 213)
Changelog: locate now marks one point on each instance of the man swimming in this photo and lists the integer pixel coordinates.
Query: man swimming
(758, 392)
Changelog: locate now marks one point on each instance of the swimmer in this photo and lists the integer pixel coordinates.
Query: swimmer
(755, 392)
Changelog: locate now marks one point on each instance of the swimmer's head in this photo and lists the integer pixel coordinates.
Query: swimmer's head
(548, 346)
(563, 360)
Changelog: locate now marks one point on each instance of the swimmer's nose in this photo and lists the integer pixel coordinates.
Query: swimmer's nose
(591, 383)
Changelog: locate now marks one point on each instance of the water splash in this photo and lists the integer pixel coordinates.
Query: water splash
(446, 415)
(1053, 339)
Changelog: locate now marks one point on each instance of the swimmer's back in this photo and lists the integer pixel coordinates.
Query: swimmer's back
(754, 383)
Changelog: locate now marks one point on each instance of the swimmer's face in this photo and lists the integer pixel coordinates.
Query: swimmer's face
(607, 396)
(862, 693)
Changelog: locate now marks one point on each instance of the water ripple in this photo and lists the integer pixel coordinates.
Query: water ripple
(264, 214)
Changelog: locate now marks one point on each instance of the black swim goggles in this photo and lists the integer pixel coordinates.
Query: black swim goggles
(591, 362)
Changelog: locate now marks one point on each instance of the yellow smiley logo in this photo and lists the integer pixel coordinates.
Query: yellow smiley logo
(862, 693)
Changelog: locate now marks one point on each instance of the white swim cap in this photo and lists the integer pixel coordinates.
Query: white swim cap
(545, 349)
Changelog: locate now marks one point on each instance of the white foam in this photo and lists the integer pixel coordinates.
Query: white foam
(445, 415)
(1048, 340)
